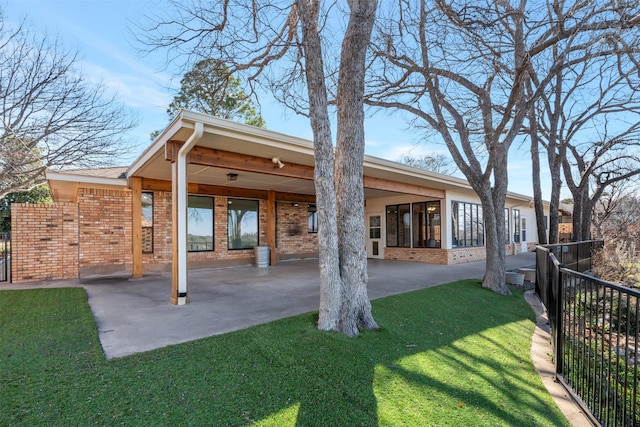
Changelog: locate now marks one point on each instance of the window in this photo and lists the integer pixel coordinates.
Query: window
(467, 223)
(426, 225)
(374, 227)
(242, 223)
(399, 226)
(516, 225)
(200, 224)
(312, 219)
(507, 231)
(147, 223)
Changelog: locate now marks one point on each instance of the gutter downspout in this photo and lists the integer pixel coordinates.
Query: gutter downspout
(182, 210)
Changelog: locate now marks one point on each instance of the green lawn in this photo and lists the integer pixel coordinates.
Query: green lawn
(451, 355)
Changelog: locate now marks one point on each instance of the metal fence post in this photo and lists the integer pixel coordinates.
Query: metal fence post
(559, 324)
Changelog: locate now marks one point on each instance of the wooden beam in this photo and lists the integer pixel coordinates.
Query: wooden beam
(292, 197)
(135, 184)
(149, 184)
(401, 187)
(271, 227)
(171, 149)
(243, 162)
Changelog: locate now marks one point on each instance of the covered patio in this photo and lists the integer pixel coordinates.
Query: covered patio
(202, 155)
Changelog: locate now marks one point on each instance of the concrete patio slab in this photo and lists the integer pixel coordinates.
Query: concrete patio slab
(134, 315)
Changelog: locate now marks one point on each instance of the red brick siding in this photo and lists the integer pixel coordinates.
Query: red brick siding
(461, 255)
(105, 231)
(44, 242)
(442, 256)
(430, 256)
(292, 231)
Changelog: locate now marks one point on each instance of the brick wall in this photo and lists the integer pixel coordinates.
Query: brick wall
(69, 240)
(293, 239)
(427, 255)
(444, 256)
(105, 231)
(461, 255)
(565, 230)
(44, 241)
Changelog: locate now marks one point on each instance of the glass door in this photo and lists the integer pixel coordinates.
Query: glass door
(374, 236)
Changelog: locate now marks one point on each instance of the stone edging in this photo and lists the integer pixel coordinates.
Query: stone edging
(541, 355)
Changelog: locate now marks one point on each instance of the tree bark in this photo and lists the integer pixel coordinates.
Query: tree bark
(493, 201)
(535, 179)
(356, 309)
(330, 281)
(344, 303)
(554, 198)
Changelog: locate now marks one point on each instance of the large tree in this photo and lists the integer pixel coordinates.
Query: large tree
(472, 71)
(590, 169)
(50, 117)
(283, 45)
(462, 69)
(616, 214)
(592, 96)
(210, 88)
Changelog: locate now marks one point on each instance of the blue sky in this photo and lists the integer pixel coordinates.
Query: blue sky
(101, 31)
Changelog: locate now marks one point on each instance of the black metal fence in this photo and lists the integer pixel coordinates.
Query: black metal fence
(5, 257)
(594, 327)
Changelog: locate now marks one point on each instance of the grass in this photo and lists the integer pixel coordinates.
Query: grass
(451, 355)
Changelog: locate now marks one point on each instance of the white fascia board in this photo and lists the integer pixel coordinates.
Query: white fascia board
(157, 144)
(84, 179)
(395, 167)
(250, 133)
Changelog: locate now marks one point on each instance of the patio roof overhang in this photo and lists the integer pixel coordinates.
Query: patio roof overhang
(251, 153)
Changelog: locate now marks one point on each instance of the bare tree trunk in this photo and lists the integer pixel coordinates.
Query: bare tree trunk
(356, 309)
(554, 199)
(330, 281)
(535, 179)
(344, 303)
(579, 203)
(493, 200)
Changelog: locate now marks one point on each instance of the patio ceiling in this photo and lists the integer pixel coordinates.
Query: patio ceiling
(250, 152)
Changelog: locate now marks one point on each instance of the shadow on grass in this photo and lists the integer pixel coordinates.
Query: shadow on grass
(451, 355)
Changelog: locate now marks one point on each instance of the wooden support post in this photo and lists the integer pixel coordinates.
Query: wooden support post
(136, 225)
(271, 227)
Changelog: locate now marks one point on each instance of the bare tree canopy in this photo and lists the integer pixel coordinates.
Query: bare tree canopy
(472, 71)
(587, 117)
(616, 214)
(438, 162)
(51, 117)
(290, 48)
(209, 88)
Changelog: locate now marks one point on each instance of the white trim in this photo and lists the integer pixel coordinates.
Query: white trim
(84, 179)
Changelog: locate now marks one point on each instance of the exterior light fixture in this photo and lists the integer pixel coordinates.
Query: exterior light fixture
(277, 161)
(232, 177)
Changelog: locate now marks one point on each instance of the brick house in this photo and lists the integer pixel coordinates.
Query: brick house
(238, 187)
